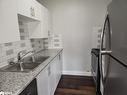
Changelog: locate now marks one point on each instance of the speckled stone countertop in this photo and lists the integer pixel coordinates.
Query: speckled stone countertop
(15, 82)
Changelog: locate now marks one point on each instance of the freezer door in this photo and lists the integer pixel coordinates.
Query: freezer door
(116, 82)
(117, 11)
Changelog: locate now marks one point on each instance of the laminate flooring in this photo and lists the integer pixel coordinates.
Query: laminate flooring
(75, 85)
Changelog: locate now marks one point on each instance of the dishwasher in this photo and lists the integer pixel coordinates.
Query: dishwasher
(95, 68)
(31, 89)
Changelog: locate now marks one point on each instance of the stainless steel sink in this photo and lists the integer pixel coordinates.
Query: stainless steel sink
(27, 65)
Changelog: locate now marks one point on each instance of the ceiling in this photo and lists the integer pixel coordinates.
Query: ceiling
(47, 3)
(44, 2)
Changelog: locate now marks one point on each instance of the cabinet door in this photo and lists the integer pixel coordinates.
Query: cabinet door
(56, 71)
(24, 7)
(58, 68)
(8, 21)
(34, 29)
(29, 8)
(37, 8)
(61, 62)
(52, 77)
(60, 65)
(44, 23)
(41, 29)
(43, 82)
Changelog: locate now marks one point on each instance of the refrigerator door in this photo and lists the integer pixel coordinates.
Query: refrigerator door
(116, 83)
(117, 11)
(113, 56)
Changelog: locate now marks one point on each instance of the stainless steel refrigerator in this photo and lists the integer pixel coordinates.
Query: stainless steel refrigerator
(113, 50)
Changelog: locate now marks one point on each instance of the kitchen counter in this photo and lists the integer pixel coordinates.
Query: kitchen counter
(15, 82)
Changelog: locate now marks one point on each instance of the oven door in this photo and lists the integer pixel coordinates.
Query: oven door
(95, 68)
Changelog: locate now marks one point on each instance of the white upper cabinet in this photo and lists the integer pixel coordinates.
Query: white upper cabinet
(9, 30)
(45, 22)
(29, 8)
(37, 10)
(43, 27)
(30, 11)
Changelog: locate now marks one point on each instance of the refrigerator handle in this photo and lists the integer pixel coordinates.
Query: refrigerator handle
(102, 51)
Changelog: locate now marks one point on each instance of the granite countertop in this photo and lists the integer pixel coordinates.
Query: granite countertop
(15, 82)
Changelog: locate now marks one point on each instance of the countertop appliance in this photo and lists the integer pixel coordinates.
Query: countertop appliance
(113, 50)
(31, 89)
(95, 68)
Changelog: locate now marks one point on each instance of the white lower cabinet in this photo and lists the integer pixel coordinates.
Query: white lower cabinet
(49, 78)
(58, 69)
(60, 65)
(43, 82)
(52, 77)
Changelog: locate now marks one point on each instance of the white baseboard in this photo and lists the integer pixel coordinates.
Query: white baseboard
(77, 73)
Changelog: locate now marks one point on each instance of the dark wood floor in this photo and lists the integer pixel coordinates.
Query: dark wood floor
(75, 85)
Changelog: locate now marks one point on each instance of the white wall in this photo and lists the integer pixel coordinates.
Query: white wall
(74, 19)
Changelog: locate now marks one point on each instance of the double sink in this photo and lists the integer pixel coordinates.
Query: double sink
(27, 65)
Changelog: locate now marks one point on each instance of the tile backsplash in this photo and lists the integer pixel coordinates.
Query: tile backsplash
(8, 51)
(37, 44)
(53, 42)
(57, 41)
(23, 30)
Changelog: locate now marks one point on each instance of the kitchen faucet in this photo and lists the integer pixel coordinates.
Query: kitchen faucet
(19, 57)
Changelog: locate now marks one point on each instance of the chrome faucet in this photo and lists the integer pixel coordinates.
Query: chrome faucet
(19, 57)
